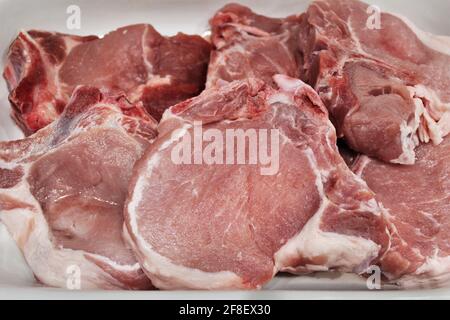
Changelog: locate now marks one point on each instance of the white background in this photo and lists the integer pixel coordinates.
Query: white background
(169, 17)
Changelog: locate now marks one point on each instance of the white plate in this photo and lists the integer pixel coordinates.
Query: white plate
(169, 17)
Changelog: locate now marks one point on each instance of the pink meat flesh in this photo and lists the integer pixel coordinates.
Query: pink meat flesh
(44, 68)
(250, 45)
(418, 200)
(228, 226)
(62, 191)
(386, 86)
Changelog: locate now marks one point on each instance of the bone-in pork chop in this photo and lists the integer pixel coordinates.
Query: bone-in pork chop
(62, 192)
(43, 69)
(215, 222)
(417, 198)
(385, 83)
(250, 45)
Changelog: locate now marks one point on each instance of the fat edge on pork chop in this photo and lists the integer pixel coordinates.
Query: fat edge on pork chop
(219, 226)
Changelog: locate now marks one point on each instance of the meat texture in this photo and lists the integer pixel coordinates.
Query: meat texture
(44, 68)
(385, 83)
(62, 192)
(227, 225)
(417, 198)
(250, 45)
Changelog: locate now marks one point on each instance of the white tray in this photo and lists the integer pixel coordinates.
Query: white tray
(169, 17)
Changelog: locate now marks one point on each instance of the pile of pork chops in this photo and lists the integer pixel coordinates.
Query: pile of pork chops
(190, 163)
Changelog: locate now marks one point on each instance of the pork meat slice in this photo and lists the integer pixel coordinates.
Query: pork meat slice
(250, 45)
(62, 192)
(230, 226)
(385, 82)
(417, 198)
(43, 69)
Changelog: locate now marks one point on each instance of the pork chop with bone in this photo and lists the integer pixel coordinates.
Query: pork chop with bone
(62, 192)
(43, 69)
(249, 45)
(385, 82)
(417, 198)
(219, 225)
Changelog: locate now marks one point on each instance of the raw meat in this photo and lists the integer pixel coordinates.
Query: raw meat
(386, 86)
(62, 192)
(44, 68)
(418, 200)
(227, 226)
(250, 45)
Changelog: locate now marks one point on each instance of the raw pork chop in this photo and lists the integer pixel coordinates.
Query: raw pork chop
(251, 45)
(229, 226)
(387, 89)
(62, 192)
(418, 200)
(44, 68)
